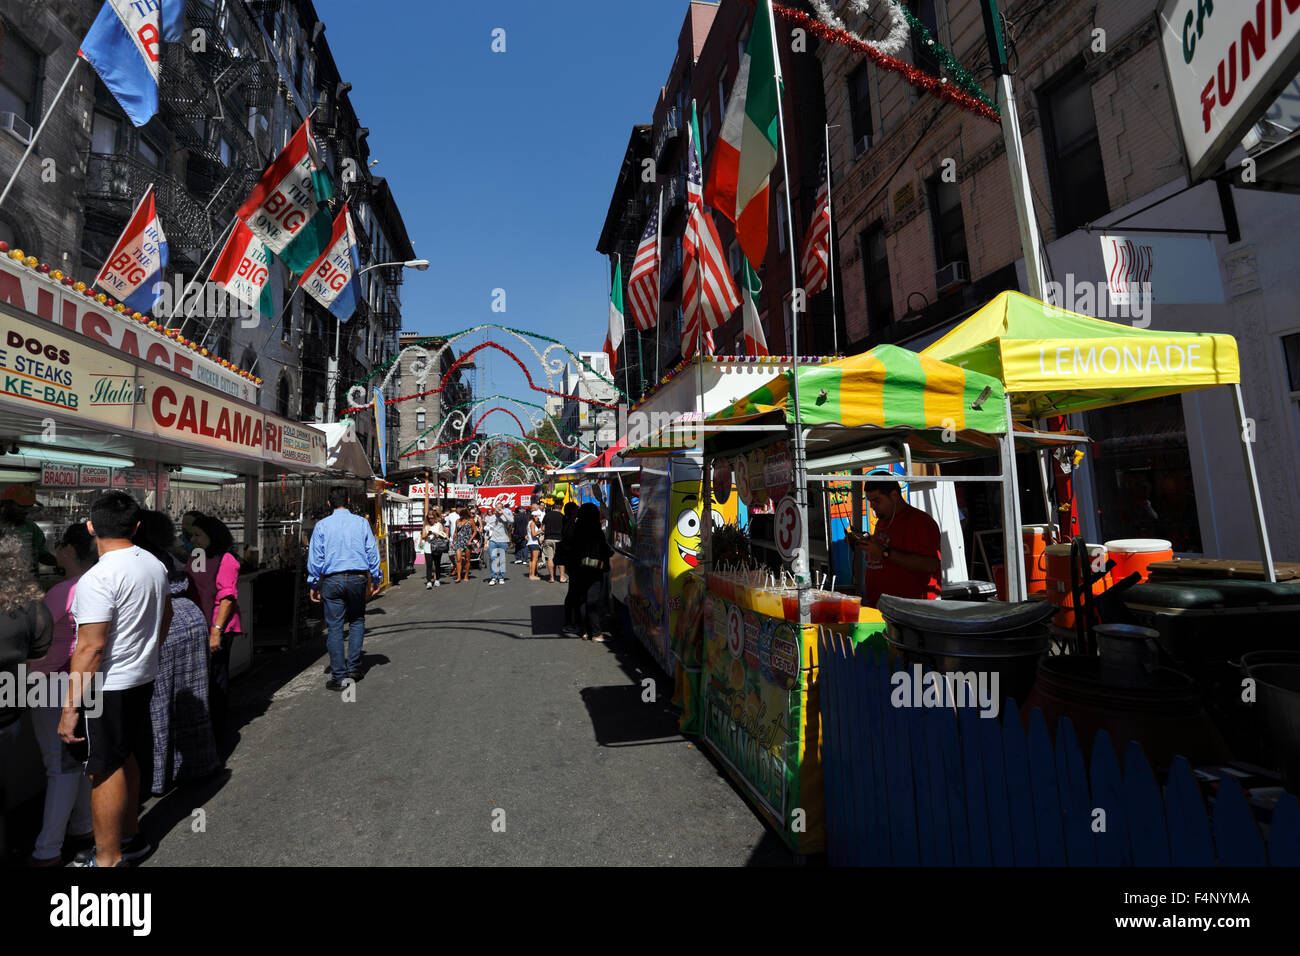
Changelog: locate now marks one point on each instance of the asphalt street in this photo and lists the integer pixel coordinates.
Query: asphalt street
(479, 736)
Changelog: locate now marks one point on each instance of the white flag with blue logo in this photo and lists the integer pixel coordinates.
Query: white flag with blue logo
(124, 46)
(332, 280)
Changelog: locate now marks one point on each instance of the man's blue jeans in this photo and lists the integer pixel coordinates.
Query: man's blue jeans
(497, 559)
(344, 599)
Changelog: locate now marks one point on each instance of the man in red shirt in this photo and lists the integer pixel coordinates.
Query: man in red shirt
(903, 553)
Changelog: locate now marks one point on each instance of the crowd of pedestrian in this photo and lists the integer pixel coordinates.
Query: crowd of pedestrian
(136, 639)
(561, 544)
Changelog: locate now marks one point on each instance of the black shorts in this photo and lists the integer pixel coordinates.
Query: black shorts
(124, 727)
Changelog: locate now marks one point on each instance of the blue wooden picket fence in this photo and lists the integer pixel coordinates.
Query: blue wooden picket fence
(931, 786)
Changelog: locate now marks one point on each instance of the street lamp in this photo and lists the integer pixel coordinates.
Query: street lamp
(332, 370)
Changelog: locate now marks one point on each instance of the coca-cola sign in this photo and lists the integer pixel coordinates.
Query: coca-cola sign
(512, 496)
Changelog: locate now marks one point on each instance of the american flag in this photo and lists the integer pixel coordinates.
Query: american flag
(817, 240)
(643, 282)
(709, 294)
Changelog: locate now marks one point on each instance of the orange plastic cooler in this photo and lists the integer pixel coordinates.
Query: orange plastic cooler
(1035, 537)
(1137, 554)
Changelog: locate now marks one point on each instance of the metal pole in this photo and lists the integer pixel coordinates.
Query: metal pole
(1261, 529)
(198, 272)
(332, 371)
(1014, 546)
(1015, 146)
(659, 284)
(35, 136)
(284, 311)
(830, 248)
(798, 456)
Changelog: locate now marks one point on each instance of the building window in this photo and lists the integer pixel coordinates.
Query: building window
(923, 57)
(422, 444)
(19, 81)
(150, 155)
(1074, 163)
(946, 222)
(705, 130)
(787, 316)
(419, 419)
(225, 151)
(722, 92)
(733, 257)
(1291, 347)
(875, 269)
(860, 109)
(103, 134)
(282, 395)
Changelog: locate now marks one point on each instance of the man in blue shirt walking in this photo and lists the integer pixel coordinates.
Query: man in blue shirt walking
(343, 571)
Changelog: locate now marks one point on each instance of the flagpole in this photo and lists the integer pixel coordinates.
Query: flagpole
(800, 562)
(199, 271)
(287, 302)
(659, 278)
(102, 269)
(830, 246)
(35, 136)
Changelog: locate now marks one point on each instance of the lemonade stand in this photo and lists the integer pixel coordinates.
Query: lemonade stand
(856, 418)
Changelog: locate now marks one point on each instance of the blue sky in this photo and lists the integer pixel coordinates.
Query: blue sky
(503, 163)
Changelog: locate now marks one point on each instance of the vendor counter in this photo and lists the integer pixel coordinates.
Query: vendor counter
(758, 704)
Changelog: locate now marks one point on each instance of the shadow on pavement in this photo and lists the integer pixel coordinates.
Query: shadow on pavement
(623, 717)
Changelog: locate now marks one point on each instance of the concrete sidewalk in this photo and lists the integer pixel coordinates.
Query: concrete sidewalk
(479, 736)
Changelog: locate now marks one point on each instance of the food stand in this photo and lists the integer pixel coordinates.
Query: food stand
(759, 694)
(1055, 363)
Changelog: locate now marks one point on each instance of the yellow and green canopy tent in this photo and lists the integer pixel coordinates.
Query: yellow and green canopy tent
(1054, 362)
(942, 411)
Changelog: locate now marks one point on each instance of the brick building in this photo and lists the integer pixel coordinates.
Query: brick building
(420, 417)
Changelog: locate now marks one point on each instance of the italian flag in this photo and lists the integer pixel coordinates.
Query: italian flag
(288, 208)
(746, 150)
(755, 340)
(614, 337)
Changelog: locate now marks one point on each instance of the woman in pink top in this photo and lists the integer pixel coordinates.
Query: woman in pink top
(218, 586)
(67, 789)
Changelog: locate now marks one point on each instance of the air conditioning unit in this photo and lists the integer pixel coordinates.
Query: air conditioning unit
(17, 127)
(952, 276)
(861, 146)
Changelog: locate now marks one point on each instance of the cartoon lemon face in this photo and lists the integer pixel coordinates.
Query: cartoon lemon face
(686, 516)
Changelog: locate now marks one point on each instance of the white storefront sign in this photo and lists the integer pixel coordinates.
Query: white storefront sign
(58, 476)
(1226, 63)
(1164, 269)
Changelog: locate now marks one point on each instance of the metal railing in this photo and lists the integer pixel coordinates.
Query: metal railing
(119, 178)
(671, 129)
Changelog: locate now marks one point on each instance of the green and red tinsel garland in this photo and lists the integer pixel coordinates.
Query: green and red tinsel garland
(936, 86)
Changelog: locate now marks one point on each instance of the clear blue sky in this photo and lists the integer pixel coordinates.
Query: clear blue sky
(503, 163)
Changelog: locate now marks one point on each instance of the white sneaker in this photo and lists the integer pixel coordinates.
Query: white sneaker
(491, 581)
(428, 585)
(437, 584)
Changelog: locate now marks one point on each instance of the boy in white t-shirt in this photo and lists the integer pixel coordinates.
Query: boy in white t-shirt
(122, 609)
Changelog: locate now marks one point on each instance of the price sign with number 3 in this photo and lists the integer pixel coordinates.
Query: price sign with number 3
(788, 527)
